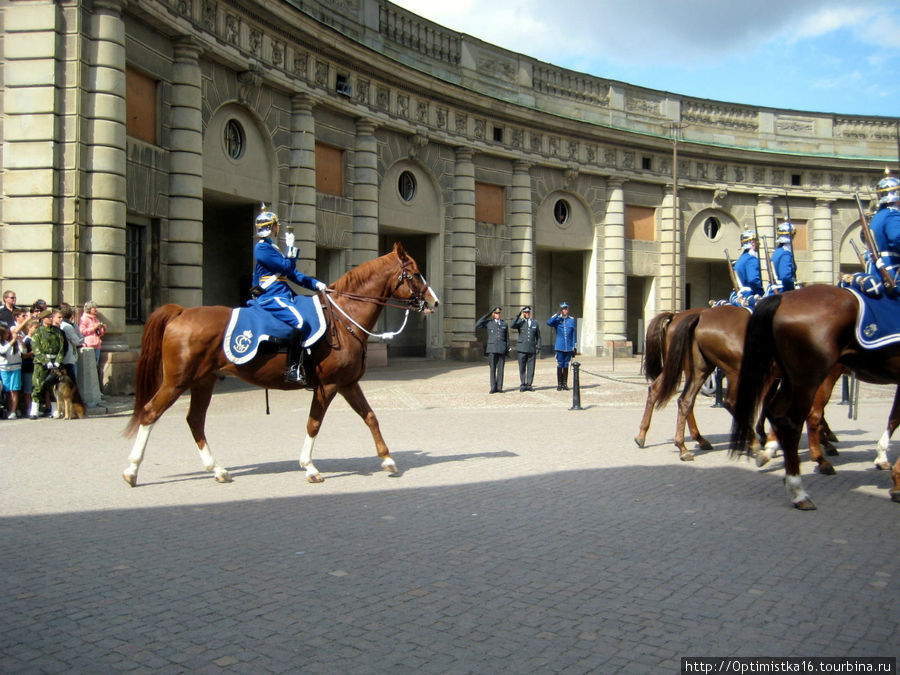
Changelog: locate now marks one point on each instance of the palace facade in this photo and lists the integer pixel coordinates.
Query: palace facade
(140, 137)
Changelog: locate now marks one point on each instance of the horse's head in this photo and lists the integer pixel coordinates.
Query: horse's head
(411, 285)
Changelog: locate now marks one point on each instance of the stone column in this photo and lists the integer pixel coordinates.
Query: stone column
(185, 231)
(521, 232)
(670, 255)
(365, 194)
(765, 227)
(459, 316)
(301, 213)
(614, 280)
(822, 244)
(29, 177)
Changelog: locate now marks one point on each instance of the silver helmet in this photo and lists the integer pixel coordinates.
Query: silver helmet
(265, 222)
(786, 232)
(888, 189)
(747, 238)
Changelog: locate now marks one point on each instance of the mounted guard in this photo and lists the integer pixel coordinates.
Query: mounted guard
(748, 274)
(783, 265)
(271, 292)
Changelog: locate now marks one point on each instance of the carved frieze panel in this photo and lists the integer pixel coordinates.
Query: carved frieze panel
(383, 98)
(480, 129)
(403, 105)
(321, 75)
(361, 92)
(461, 123)
(537, 142)
(645, 104)
(422, 112)
(796, 126)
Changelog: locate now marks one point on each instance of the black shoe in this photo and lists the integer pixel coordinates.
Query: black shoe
(294, 374)
(492, 391)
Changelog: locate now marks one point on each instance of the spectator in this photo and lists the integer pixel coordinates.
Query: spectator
(11, 366)
(38, 307)
(92, 328)
(48, 343)
(27, 359)
(8, 310)
(73, 336)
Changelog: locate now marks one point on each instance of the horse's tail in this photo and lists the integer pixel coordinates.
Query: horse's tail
(149, 365)
(756, 366)
(654, 344)
(678, 355)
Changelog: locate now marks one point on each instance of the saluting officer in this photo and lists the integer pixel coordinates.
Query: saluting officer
(783, 258)
(527, 345)
(496, 347)
(566, 340)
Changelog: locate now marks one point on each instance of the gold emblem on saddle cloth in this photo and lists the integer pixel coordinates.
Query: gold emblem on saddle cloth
(870, 330)
(243, 341)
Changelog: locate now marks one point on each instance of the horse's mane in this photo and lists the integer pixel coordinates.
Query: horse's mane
(360, 275)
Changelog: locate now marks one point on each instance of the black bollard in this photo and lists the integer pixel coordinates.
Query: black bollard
(576, 387)
(720, 397)
(845, 389)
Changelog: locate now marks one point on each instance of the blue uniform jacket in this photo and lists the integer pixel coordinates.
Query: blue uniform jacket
(747, 270)
(273, 270)
(885, 226)
(783, 262)
(566, 339)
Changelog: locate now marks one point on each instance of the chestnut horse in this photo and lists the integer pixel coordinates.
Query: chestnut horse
(182, 350)
(807, 333)
(714, 338)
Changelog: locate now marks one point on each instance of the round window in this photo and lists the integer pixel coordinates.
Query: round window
(561, 211)
(406, 185)
(711, 228)
(234, 139)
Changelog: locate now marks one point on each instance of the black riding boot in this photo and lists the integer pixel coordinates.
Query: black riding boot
(558, 378)
(293, 373)
(565, 379)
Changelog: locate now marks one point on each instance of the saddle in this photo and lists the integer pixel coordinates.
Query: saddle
(878, 320)
(251, 326)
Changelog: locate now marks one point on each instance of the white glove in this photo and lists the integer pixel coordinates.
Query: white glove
(320, 286)
(289, 239)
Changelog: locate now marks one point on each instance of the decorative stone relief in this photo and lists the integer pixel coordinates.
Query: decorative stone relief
(642, 103)
(628, 160)
(383, 98)
(403, 105)
(554, 146)
(702, 170)
(590, 152)
(209, 15)
(759, 175)
(798, 126)
(301, 64)
(730, 117)
(277, 53)
(416, 142)
(719, 172)
(362, 90)
(720, 194)
(570, 174)
(321, 76)
(249, 82)
(518, 138)
(440, 115)
(777, 177)
(739, 174)
(609, 157)
(422, 112)
(815, 179)
(232, 29)
(537, 142)
(181, 7)
(496, 67)
(461, 122)
(836, 180)
(480, 128)
(255, 41)
(573, 150)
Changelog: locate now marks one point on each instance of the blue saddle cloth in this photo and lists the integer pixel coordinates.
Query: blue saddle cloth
(250, 326)
(878, 320)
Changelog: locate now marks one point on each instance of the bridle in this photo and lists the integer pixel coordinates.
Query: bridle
(415, 302)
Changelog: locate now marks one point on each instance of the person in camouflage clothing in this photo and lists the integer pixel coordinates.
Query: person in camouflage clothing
(48, 344)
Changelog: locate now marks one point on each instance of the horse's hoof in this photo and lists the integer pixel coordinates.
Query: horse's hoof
(762, 459)
(826, 469)
(130, 479)
(805, 505)
(315, 478)
(686, 456)
(883, 466)
(895, 495)
(223, 477)
(638, 441)
(705, 444)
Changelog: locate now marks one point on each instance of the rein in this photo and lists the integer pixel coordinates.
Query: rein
(381, 301)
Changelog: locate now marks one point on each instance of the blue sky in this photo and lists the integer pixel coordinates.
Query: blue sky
(840, 56)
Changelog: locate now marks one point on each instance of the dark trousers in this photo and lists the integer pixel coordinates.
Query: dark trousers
(496, 363)
(526, 368)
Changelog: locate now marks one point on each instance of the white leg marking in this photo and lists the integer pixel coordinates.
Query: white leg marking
(209, 463)
(881, 449)
(306, 456)
(795, 489)
(137, 450)
(389, 465)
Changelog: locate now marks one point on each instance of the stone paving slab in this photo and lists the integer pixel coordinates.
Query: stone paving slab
(520, 536)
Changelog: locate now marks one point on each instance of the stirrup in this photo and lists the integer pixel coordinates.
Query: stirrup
(294, 374)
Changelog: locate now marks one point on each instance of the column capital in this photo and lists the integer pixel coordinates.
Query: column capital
(365, 125)
(302, 103)
(521, 166)
(824, 202)
(615, 182)
(464, 153)
(764, 198)
(186, 48)
(114, 7)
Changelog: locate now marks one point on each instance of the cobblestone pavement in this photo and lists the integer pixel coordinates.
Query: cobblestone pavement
(521, 536)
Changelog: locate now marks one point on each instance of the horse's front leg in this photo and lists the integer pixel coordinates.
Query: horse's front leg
(358, 402)
(201, 394)
(320, 402)
(881, 459)
(641, 438)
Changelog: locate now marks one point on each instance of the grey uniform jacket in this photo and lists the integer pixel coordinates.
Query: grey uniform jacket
(529, 341)
(497, 334)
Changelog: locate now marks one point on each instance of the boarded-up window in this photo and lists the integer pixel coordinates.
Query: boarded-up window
(140, 106)
(801, 238)
(640, 222)
(329, 170)
(489, 203)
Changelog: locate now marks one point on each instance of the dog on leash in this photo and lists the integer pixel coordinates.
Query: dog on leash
(68, 399)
